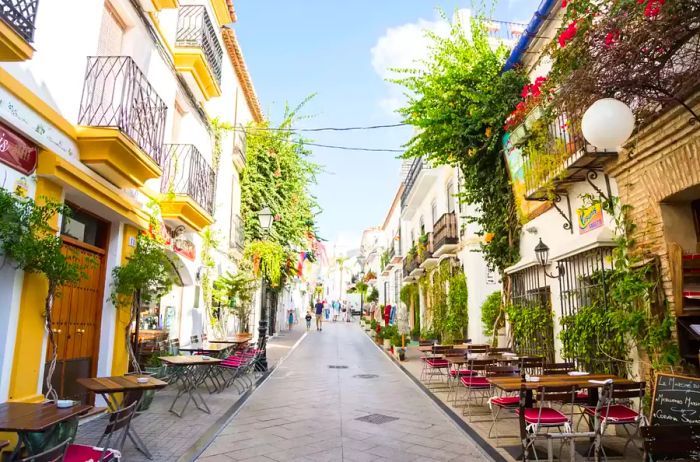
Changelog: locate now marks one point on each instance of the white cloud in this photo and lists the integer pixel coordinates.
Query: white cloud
(405, 46)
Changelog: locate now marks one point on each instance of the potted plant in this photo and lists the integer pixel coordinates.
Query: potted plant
(415, 333)
(31, 244)
(373, 328)
(235, 293)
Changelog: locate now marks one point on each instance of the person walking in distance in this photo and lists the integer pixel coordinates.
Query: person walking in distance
(319, 315)
(308, 320)
(291, 319)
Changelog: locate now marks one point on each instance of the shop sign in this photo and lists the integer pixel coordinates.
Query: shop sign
(185, 248)
(16, 152)
(590, 218)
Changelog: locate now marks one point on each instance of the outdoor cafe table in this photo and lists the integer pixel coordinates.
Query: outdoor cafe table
(192, 372)
(214, 348)
(107, 387)
(25, 418)
(515, 384)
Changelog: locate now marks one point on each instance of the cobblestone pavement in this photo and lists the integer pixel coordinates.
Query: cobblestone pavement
(308, 411)
(168, 436)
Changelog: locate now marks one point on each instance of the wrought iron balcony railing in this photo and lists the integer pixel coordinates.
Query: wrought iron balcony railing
(236, 239)
(504, 30)
(411, 179)
(20, 15)
(117, 94)
(195, 29)
(185, 171)
(445, 231)
(410, 263)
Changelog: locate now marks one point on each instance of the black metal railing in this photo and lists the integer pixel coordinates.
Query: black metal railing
(117, 94)
(410, 263)
(529, 292)
(236, 239)
(425, 249)
(564, 139)
(585, 284)
(186, 171)
(416, 166)
(445, 231)
(20, 15)
(195, 29)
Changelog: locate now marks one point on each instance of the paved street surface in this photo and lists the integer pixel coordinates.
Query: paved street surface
(168, 436)
(307, 411)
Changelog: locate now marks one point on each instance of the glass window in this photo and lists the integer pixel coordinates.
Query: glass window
(433, 211)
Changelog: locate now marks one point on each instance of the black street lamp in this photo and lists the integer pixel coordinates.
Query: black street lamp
(542, 253)
(265, 217)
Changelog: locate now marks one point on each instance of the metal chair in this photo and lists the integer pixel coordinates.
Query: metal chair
(174, 346)
(501, 402)
(194, 339)
(118, 420)
(54, 454)
(557, 368)
(476, 385)
(204, 336)
(531, 365)
(435, 365)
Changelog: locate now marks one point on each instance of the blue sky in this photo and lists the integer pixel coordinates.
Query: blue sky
(339, 51)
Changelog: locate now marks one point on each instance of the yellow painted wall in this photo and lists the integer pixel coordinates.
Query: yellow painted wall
(29, 350)
(120, 359)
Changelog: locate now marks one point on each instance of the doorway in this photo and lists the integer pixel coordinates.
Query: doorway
(77, 311)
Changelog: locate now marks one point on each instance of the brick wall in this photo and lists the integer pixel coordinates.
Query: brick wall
(661, 160)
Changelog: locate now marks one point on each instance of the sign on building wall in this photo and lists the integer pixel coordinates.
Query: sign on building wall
(16, 152)
(590, 218)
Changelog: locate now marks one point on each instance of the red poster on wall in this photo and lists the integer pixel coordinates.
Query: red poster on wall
(16, 152)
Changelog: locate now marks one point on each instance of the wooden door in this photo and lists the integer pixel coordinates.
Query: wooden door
(77, 316)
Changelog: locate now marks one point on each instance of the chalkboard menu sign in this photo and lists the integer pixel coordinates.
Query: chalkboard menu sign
(676, 400)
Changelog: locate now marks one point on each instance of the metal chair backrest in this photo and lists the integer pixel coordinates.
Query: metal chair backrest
(163, 346)
(562, 394)
(557, 368)
(629, 391)
(118, 420)
(480, 365)
(194, 339)
(501, 350)
(531, 364)
(502, 371)
(442, 349)
(54, 454)
(425, 343)
(478, 348)
(174, 345)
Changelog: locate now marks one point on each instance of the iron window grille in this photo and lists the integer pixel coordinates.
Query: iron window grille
(186, 172)
(20, 15)
(585, 283)
(195, 29)
(236, 239)
(445, 231)
(116, 94)
(529, 291)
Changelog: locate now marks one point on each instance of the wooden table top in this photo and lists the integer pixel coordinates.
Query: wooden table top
(4, 444)
(194, 360)
(36, 417)
(120, 384)
(580, 381)
(207, 346)
(243, 339)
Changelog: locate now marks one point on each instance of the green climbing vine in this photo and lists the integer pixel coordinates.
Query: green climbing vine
(210, 243)
(446, 296)
(531, 326)
(492, 314)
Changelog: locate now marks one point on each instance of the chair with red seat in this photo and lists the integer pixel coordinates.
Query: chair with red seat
(104, 451)
(543, 416)
(502, 402)
(435, 365)
(475, 385)
(620, 410)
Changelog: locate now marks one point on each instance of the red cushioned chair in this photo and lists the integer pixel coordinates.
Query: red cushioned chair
(619, 409)
(502, 402)
(119, 420)
(436, 365)
(55, 454)
(476, 386)
(543, 416)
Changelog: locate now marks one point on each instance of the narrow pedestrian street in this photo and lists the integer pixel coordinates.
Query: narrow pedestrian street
(316, 404)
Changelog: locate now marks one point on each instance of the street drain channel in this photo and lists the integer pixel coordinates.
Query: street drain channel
(365, 376)
(335, 366)
(377, 419)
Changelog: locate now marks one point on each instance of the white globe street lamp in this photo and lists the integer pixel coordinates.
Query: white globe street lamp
(608, 124)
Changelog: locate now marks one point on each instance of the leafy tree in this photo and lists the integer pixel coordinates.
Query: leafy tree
(33, 246)
(492, 314)
(458, 102)
(146, 276)
(235, 292)
(373, 295)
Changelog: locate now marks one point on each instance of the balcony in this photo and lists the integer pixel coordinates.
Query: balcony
(507, 33)
(164, 4)
(566, 158)
(188, 188)
(445, 235)
(198, 54)
(411, 267)
(426, 258)
(122, 122)
(236, 237)
(418, 181)
(17, 29)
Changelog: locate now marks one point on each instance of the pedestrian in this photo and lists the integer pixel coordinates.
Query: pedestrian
(326, 310)
(387, 315)
(319, 315)
(291, 319)
(344, 310)
(336, 310)
(308, 320)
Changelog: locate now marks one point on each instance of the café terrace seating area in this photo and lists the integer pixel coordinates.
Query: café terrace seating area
(155, 414)
(512, 402)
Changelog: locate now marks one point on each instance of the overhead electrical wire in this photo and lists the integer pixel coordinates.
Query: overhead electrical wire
(351, 148)
(322, 129)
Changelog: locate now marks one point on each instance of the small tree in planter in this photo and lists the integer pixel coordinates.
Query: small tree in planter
(146, 276)
(235, 292)
(28, 240)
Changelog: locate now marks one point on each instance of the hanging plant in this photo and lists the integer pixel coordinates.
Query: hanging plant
(29, 242)
(267, 258)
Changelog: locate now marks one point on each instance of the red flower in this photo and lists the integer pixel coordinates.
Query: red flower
(564, 3)
(568, 34)
(540, 80)
(526, 91)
